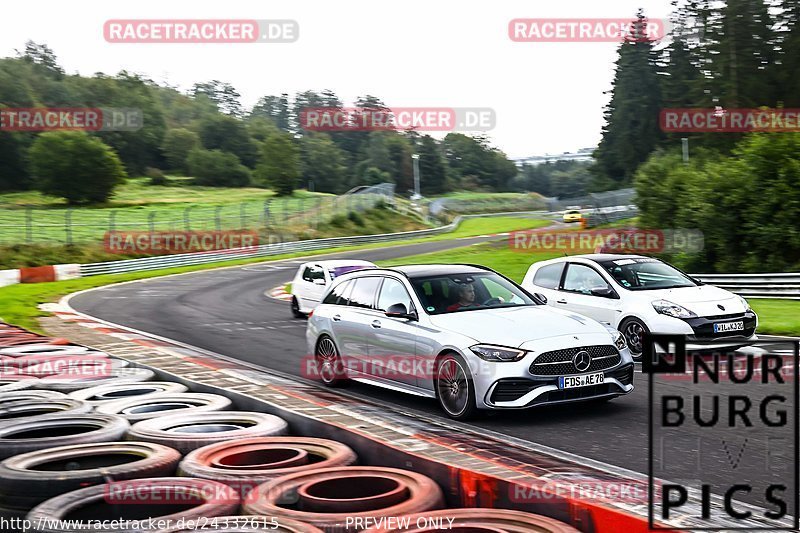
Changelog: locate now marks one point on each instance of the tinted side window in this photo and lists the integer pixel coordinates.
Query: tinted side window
(549, 276)
(583, 279)
(307, 273)
(363, 294)
(338, 294)
(393, 292)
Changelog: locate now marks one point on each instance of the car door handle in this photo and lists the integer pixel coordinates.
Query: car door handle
(376, 324)
(336, 318)
(561, 301)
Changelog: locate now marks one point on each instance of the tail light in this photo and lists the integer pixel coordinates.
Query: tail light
(310, 313)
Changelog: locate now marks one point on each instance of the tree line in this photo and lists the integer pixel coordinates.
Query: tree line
(207, 134)
(742, 190)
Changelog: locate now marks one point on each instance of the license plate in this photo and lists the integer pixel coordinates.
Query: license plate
(723, 327)
(570, 382)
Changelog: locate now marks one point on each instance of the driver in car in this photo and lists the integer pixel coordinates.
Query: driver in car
(466, 297)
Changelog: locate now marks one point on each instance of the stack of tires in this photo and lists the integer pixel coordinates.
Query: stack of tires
(85, 438)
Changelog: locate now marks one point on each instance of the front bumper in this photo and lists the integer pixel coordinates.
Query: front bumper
(703, 327)
(517, 393)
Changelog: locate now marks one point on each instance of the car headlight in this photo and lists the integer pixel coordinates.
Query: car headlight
(665, 307)
(498, 354)
(744, 303)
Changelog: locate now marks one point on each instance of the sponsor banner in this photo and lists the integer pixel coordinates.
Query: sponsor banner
(200, 31)
(719, 120)
(398, 118)
(176, 242)
(640, 241)
(70, 119)
(586, 30)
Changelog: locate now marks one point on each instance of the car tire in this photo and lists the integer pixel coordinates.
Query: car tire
(12, 383)
(69, 382)
(454, 387)
(25, 409)
(171, 500)
(207, 428)
(329, 366)
(24, 483)
(296, 308)
(121, 391)
(47, 431)
(247, 463)
(634, 330)
(137, 409)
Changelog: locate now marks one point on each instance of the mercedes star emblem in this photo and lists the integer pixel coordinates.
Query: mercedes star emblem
(582, 361)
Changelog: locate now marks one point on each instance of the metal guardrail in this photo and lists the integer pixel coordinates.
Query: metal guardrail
(786, 286)
(265, 250)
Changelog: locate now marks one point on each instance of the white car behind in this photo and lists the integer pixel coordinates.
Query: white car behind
(637, 294)
(313, 278)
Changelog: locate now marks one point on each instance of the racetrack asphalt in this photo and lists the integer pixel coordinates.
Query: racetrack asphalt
(226, 311)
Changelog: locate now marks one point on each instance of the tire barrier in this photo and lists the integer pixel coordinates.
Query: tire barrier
(475, 520)
(326, 498)
(248, 524)
(45, 349)
(138, 409)
(26, 409)
(10, 383)
(261, 459)
(29, 479)
(69, 382)
(33, 395)
(47, 431)
(166, 498)
(191, 430)
(118, 391)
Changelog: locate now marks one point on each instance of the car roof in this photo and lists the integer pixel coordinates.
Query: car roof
(423, 271)
(333, 263)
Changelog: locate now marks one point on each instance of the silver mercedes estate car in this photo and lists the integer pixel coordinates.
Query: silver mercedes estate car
(465, 335)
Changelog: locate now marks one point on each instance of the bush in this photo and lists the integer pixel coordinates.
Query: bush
(75, 166)
(217, 169)
(156, 176)
(356, 218)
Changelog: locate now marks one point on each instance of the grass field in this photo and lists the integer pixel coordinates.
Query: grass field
(19, 303)
(34, 217)
(776, 317)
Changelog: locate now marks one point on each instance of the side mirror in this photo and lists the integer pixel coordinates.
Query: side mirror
(319, 281)
(540, 297)
(400, 311)
(603, 292)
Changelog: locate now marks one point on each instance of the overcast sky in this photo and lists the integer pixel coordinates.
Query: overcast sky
(548, 97)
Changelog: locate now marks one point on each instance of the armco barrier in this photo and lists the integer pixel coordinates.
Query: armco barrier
(757, 285)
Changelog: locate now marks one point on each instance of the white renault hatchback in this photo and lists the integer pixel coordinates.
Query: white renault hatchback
(637, 294)
(313, 279)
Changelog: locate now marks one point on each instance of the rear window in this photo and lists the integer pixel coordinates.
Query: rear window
(338, 295)
(549, 276)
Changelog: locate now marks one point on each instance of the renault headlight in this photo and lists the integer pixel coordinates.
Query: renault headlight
(665, 307)
(497, 354)
(744, 303)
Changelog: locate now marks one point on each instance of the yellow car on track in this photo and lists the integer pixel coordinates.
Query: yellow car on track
(572, 215)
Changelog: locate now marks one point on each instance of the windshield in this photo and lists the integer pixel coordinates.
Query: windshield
(644, 274)
(467, 292)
